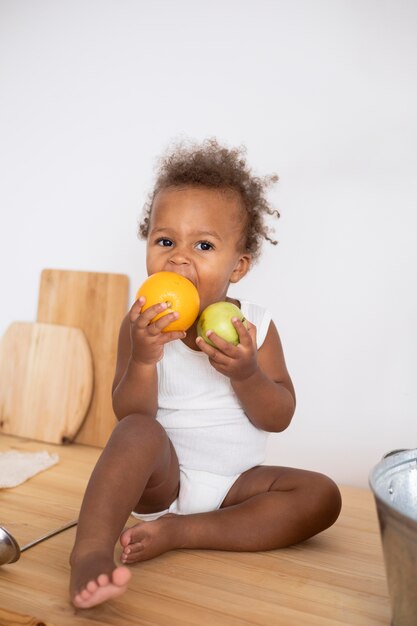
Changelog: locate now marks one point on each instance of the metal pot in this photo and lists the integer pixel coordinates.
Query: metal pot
(394, 485)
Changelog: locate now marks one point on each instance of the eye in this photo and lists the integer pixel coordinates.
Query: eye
(164, 242)
(205, 245)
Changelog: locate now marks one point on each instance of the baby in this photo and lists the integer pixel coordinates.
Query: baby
(186, 456)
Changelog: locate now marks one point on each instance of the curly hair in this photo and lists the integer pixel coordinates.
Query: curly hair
(216, 167)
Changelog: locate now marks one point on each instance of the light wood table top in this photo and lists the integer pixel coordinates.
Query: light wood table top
(335, 578)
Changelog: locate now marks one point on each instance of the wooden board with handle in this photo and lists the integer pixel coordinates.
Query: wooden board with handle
(96, 302)
(46, 381)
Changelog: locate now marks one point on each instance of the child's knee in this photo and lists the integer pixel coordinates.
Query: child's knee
(328, 498)
(140, 428)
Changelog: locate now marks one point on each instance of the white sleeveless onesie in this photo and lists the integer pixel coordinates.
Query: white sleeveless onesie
(214, 439)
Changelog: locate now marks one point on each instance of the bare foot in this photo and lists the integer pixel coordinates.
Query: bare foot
(147, 540)
(96, 579)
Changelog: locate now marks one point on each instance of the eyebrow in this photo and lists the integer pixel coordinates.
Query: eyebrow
(194, 233)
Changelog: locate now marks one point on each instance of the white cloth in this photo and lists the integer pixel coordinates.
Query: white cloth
(199, 492)
(16, 467)
(201, 413)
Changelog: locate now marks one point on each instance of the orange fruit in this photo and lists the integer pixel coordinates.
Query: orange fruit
(178, 291)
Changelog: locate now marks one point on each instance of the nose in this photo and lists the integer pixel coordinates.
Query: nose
(179, 257)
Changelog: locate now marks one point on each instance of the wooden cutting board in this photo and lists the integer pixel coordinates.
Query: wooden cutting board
(96, 302)
(46, 381)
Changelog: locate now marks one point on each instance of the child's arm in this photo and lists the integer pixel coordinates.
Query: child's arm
(259, 377)
(141, 346)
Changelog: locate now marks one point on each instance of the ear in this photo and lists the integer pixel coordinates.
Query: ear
(242, 267)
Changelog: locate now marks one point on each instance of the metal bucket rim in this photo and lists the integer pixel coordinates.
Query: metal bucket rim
(400, 459)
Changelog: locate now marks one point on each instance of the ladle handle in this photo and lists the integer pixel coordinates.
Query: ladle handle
(51, 534)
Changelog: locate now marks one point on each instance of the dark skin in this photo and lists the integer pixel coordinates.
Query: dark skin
(267, 507)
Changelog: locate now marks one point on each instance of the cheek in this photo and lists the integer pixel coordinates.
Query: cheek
(212, 288)
(152, 264)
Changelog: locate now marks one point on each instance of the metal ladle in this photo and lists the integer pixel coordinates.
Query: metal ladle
(10, 550)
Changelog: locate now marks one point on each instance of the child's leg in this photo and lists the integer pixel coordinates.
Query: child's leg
(138, 464)
(267, 508)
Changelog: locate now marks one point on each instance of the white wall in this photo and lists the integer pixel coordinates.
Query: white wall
(323, 92)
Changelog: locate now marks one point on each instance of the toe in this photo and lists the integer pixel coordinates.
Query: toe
(132, 558)
(91, 586)
(78, 600)
(131, 554)
(103, 580)
(132, 534)
(124, 539)
(121, 576)
(135, 547)
(84, 594)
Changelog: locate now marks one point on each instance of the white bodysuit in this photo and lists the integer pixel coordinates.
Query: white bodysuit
(213, 438)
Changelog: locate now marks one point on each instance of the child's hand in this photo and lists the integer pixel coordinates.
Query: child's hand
(147, 337)
(236, 362)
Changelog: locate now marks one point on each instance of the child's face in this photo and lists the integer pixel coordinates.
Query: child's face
(197, 232)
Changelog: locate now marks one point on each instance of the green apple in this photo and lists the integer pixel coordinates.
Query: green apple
(218, 317)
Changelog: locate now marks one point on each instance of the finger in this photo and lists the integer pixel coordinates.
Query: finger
(146, 317)
(220, 362)
(213, 353)
(165, 320)
(246, 331)
(135, 309)
(221, 344)
(157, 327)
(174, 334)
(204, 347)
